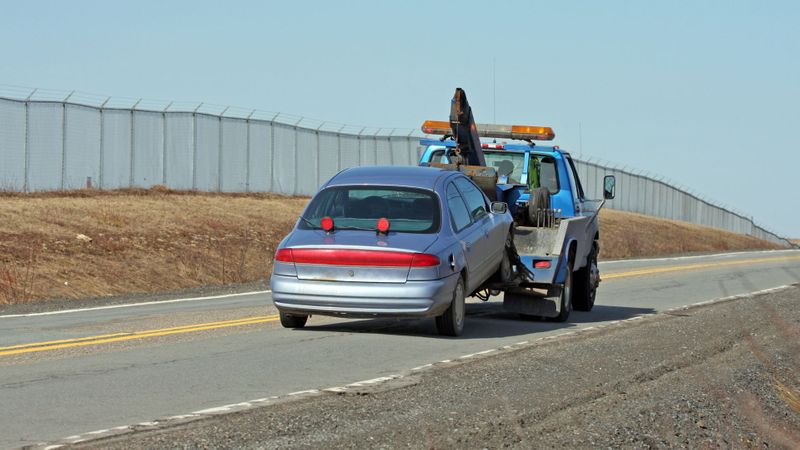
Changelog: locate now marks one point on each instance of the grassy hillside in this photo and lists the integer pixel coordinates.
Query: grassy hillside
(93, 243)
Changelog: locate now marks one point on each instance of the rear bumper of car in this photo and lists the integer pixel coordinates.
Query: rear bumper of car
(358, 299)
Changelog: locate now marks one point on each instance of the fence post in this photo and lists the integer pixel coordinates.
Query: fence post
(133, 143)
(26, 176)
(221, 142)
(247, 165)
(100, 173)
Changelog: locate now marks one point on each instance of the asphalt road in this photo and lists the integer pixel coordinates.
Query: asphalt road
(69, 373)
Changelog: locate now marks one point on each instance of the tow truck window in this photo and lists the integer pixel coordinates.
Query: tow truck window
(494, 159)
(438, 156)
(359, 207)
(542, 173)
(578, 186)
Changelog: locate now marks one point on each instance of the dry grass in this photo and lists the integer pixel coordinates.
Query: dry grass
(141, 241)
(630, 235)
(158, 240)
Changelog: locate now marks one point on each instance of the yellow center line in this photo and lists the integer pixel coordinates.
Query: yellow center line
(121, 337)
(700, 266)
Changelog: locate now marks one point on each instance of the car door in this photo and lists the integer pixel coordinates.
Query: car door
(490, 254)
(467, 232)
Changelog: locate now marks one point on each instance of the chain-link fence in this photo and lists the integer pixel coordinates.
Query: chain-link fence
(53, 141)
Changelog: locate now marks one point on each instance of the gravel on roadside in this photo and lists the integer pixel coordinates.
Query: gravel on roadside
(724, 375)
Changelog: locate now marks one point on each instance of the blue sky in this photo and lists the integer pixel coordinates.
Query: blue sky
(705, 93)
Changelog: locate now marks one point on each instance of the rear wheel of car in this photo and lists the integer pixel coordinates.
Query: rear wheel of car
(539, 208)
(293, 320)
(566, 295)
(451, 323)
(505, 273)
(586, 280)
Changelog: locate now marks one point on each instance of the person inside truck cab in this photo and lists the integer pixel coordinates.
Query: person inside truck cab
(542, 173)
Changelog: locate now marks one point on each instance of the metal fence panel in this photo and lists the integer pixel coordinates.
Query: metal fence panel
(12, 146)
(234, 155)
(328, 157)
(45, 145)
(179, 150)
(400, 151)
(307, 162)
(368, 149)
(115, 170)
(81, 147)
(350, 154)
(284, 163)
(206, 177)
(383, 152)
(148, 149)
(260, 142)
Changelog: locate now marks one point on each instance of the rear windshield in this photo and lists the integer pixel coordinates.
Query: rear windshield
(359, 207)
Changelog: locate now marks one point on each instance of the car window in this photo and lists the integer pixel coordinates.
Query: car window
(408, 210)
(459, 216)
(476, 203)
(439, 156)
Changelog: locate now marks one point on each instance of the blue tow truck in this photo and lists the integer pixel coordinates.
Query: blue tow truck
(556, 233)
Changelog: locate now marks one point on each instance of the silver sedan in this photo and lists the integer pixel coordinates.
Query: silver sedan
(392, 241)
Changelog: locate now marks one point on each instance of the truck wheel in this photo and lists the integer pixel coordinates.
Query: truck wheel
(539, 208)
(586, 280)
(293, 320)
(451, 323)
(566, 295)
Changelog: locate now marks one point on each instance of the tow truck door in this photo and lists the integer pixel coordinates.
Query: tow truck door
(583, 207)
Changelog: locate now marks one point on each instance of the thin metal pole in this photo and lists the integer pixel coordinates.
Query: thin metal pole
(64, 142)
(26, 176)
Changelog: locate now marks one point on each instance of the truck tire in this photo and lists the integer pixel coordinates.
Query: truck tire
(586, 280)
(451, 322)
(566, 294)
(293, 320)
(539, 208)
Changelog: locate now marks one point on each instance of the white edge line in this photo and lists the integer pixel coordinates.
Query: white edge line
(132, 305)
(337, 389)
(715, 255)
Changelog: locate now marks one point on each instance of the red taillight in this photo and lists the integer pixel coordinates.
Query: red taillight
(494, 146)
(424, 260)
(284, 255)
(383, 225)
(364, 258)
(541, 265)
(326, 223)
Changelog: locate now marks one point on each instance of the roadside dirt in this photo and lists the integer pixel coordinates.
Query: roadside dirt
(79, 244)
(719, 376)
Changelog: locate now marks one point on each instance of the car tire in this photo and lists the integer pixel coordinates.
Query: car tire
(505, 273)
(539, 208)
(451, 323)
(566, 295)
(293, 320)
(586, 280)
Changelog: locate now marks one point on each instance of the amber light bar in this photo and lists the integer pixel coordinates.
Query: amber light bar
(518, 132)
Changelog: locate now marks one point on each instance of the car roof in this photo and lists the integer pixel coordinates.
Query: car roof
(409, 176)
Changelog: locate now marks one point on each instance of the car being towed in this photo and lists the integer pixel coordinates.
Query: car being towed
(392, 241)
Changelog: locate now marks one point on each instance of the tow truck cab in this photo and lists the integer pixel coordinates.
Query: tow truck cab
(533, 166)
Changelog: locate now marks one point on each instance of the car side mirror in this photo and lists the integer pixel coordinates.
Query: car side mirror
(499, 208)
(609, 183)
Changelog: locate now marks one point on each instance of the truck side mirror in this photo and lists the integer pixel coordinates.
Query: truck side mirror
(499, 207)
(609, 183)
